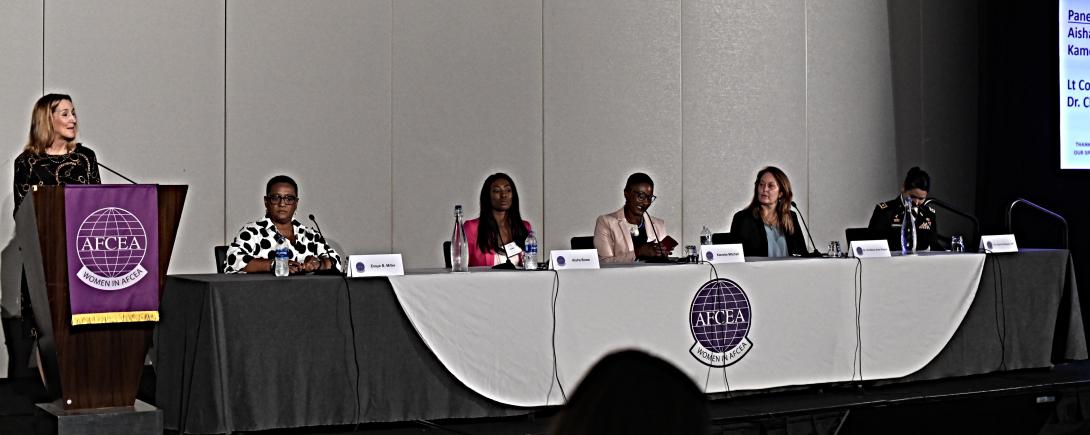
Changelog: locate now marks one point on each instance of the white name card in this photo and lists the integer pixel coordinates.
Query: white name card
(998, 243)
(563, 259)
(375, 265)
(731, 253)
(869, 248)
(512, 250)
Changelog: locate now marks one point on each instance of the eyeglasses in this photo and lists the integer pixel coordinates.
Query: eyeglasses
(289, 199)
(640, 196)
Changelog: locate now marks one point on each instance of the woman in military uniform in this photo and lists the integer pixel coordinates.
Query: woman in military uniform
(885, 221)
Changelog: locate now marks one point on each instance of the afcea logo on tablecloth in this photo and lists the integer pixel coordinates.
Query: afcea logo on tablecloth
(719, 319)
(111, 243)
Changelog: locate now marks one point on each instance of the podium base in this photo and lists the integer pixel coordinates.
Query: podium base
(141, 418)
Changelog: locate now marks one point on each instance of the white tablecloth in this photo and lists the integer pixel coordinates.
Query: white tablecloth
(494, 330)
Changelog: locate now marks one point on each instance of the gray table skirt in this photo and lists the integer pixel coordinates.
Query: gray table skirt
(243, 353)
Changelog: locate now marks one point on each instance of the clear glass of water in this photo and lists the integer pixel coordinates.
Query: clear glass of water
(957, 244)
(834, 249)
(691, 251)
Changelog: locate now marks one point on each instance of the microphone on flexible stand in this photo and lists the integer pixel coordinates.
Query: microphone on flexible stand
(1027, 202)
(316, 226)
(815, 253)
(333, 268)
(662, 253)
(115, 172)
(942, 204)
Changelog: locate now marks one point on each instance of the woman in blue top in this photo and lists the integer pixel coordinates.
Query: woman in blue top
(768, 227)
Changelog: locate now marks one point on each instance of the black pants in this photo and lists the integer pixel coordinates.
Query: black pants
(20, 346)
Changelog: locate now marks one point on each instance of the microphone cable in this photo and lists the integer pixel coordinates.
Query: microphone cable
(857, 296)
(355, 351)
(555, 294)
(714, 272)
(1000, 310)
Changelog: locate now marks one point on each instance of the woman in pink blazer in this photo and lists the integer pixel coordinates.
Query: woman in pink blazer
(629, 234)
(499, 224)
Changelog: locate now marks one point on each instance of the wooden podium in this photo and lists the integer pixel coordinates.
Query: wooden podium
(89, 366)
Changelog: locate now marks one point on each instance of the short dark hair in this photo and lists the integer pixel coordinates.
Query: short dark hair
(917, 179)
(638, 178)
(281, 179)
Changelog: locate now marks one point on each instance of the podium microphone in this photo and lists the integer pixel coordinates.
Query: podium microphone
(115, 172)
(808, 236)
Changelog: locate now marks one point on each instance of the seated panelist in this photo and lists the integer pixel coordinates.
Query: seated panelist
(885, 220)
(768, 227)
(253, 249)
(630, 234)
(500, 223)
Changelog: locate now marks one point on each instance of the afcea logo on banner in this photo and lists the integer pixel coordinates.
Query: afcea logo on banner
(719, 319)
(111, 243)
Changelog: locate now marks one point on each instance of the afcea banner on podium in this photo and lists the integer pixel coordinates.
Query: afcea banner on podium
(113, 253)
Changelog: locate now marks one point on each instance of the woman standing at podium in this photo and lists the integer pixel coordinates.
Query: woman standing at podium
(52, 157)
(499, 224)
(255, 244)
(768, 227)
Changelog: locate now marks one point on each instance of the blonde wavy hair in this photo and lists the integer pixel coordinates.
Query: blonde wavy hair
(41, 124)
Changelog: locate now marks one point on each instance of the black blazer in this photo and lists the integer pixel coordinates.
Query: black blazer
(751, 231)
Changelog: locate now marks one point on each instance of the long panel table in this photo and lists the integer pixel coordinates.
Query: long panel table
(257, 352)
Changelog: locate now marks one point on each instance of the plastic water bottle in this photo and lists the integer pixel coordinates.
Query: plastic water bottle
(282, 256)
(908, 229)
(459, 249)
(529, 255)
(706, 236)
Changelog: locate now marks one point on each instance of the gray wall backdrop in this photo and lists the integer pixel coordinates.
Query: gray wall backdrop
(389, 112)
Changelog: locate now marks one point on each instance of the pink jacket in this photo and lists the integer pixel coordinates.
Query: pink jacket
(476, 257)
(613, 239)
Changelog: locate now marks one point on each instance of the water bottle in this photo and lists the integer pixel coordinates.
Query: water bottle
(459, 249)
(908, 229)
(706, 236)
(529, 252)
(282, 256)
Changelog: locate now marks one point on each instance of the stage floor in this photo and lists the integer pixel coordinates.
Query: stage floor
(1019, 402)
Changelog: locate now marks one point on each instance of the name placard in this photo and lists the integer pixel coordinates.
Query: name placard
(731, 253)
(512, 250)
(869, 248)
(375, 265)
(998, 243)
(563, 259)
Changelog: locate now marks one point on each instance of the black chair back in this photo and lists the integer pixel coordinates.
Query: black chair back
(446, 253)
(582, 242)
(725, 239)
(221, 257)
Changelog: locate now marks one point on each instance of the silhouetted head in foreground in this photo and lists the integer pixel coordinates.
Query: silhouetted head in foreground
(631, 392)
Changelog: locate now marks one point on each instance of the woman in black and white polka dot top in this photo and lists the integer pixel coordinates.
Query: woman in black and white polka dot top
(254, 246)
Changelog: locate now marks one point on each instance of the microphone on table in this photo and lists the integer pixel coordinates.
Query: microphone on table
(115, 172)
(333, 266)
(662, 253)
(815, 253)
(316, 226)
(931, 200)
